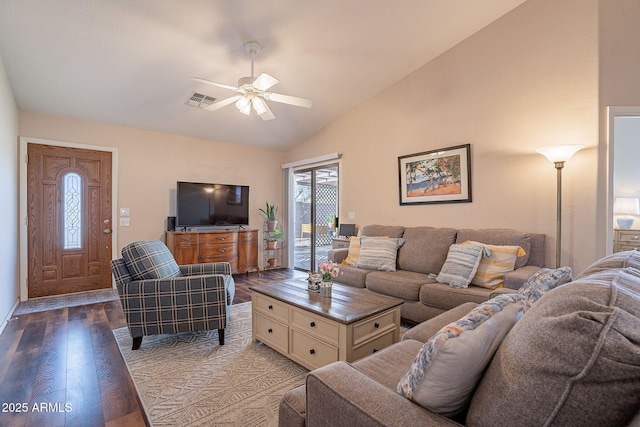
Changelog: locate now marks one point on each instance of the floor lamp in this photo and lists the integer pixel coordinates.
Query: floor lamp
(559, 154)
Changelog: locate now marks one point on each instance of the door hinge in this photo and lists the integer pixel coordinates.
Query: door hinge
(26, 221)
(26, 158)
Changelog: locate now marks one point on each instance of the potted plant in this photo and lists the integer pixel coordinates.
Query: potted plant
(270, 212)
(272, 262)
(272, 239)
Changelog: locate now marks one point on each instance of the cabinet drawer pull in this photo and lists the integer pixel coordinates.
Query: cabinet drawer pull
(222, 250)
(312, 351)
(376, 325)
(635, 237)
(270, 330)
(221, 238)
(312, 324)
(270, 307)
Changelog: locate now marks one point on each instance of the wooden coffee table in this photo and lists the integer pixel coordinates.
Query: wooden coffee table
(315, 331)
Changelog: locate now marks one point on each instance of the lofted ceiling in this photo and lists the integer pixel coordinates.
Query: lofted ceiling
(129, 62)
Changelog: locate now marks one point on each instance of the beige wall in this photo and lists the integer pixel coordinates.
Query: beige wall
(528, 80)
(9, 286)
(150, 164)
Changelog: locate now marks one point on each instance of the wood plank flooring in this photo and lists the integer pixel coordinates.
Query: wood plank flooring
(62, 367)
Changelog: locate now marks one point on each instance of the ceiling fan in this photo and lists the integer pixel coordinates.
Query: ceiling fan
(252, 92)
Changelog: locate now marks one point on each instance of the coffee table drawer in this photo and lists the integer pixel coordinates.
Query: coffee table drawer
(272, 332)
(371, 327)
(270, 307)
(374, 345)
(315, 325)
(311, 352)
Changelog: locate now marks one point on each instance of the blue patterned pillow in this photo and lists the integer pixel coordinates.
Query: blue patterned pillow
(150, 259)
(542, 281)
(448, 367)
(379, 253)
(461, 265)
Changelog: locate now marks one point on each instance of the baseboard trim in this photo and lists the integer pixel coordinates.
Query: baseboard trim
(9, 315)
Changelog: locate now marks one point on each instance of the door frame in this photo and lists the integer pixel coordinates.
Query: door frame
(289, 172)
(612, 113)
(23, 210)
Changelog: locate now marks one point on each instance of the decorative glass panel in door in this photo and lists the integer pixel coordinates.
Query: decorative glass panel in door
(315, 198)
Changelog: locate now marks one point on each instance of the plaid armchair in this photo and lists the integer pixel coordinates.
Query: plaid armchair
(160, 297)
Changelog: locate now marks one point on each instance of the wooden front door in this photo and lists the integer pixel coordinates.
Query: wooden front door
(69, 220)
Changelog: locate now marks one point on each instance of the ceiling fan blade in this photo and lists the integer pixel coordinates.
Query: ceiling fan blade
(217, 105)
(267, 115)
(209, 82)
(287, 99)
(264, 82)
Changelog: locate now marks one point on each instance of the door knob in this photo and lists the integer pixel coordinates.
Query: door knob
(106, 231)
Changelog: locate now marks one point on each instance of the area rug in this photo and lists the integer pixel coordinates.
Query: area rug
(69, 300)
(190, 380)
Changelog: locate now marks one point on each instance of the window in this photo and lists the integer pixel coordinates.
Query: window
(72, 199)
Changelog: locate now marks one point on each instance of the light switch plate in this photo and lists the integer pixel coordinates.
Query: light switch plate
(124, 222)
(351, 215)
(125, 212)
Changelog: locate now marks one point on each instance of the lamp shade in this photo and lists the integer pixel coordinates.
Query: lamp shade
(559, 153)
(626, 206)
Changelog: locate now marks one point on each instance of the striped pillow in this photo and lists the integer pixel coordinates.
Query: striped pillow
(501, 260)
(354, 251)
(461, 265)
(379, 253)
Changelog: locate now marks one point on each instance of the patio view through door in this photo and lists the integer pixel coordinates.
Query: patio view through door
(315, 198)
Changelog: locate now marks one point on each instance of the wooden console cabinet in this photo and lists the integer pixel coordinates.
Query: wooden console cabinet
(237, 247)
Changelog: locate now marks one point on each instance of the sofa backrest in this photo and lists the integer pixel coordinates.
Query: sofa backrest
(425, 249)
(376, 230)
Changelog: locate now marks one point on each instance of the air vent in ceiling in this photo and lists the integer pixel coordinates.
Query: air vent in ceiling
(199, 100)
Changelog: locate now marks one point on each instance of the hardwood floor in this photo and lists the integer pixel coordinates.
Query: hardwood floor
(63, 368)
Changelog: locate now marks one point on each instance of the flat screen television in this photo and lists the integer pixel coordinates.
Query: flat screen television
(207, 205)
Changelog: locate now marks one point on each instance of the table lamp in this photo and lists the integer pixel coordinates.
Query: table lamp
(626, 206)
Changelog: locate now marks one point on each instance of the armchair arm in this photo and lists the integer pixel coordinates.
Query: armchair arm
(340, 395)
(206, 268)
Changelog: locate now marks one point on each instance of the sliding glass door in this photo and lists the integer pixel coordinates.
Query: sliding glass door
(315, 207)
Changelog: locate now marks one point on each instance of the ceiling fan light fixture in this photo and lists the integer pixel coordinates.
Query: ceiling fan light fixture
(258, 105)
(244, 106)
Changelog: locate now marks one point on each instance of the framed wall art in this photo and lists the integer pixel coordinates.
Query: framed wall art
(436, 176)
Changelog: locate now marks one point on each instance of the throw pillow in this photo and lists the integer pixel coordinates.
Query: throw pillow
(501, 260)
(444, 374)
(379, 253)
(573, 359)
(354, 251)
(461, 265)
(150, 259)
(542, 281)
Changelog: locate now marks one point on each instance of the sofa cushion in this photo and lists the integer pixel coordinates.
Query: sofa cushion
(461, 265)
(379, 253)
(375, 230)
(617, 260)
(388, 365)
(448, 367)
(500, 237)
(354, 251)
(497, 261)
(542, 282)
(400, 284)
(444, 296)
(425, 249)
(573, 359)
(150, 259)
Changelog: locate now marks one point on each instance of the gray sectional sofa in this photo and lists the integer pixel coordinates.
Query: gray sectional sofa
(424, 252)
(572, 359)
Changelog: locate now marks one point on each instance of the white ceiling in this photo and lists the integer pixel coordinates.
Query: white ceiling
(129, 62)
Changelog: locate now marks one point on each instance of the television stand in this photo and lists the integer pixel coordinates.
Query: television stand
(237, 247)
